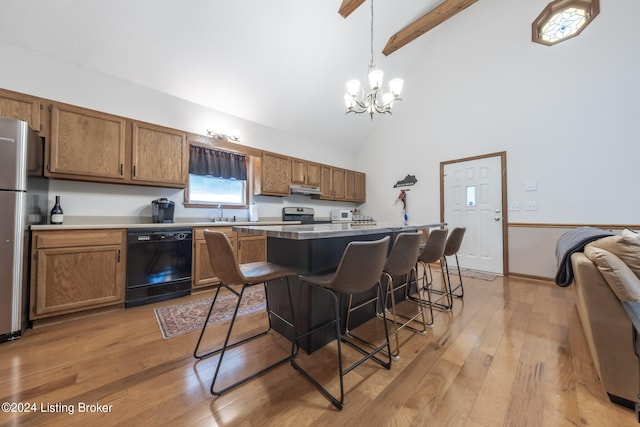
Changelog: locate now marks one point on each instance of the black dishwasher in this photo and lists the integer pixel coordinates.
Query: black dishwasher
(158, 265)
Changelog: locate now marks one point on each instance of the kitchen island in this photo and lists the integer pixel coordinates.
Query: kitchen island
(313, 249)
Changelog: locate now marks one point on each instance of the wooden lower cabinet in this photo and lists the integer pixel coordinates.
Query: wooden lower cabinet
(76, 270)
(251, 248)
(201, 272)
(246, 247)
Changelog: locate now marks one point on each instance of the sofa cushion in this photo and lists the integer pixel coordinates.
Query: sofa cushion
(622, 281)
(625, 246)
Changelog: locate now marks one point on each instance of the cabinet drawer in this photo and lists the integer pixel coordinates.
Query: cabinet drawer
(75, 238)
(199, 232)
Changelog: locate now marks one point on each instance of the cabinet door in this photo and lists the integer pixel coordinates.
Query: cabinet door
(76, 278)
(326, 175)
(313, 173)
(252, 249)
(272, 175)
(338, 182)
(202, 273)
(22, 107)
(298, 171)
(159, 155)
(349, 185)
(86, 143)
(360, 187)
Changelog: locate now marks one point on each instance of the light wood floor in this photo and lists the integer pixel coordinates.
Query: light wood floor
(511, 354)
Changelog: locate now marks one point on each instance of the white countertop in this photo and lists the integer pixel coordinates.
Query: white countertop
(323, 231)
(87, 223)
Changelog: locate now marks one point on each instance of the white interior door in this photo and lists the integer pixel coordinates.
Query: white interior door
(473, 199)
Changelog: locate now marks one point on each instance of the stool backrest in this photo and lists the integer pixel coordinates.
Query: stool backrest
(361, 266)
(434, 248)
(404, 253)
(454, 241)
(221, 257)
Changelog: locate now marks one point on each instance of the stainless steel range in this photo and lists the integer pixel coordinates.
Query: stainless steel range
(304, 215)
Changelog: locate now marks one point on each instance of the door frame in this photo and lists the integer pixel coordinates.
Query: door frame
(505, 225)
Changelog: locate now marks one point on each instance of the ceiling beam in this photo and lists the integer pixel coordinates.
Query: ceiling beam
(425, 23)
(349, 6)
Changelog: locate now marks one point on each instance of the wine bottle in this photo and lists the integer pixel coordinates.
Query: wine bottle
(56, 213)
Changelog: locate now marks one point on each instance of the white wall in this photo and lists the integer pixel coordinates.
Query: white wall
(40, 75)
(566, 115)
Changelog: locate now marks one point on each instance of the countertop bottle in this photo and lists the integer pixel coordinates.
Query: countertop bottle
(57, 216)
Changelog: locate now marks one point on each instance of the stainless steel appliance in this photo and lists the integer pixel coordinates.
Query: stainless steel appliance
(304, 215)
(24, 193)
(158, 265)
(162, 210)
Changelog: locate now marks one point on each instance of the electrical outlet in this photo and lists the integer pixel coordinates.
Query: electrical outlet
(532, 206)
(530, 186)
(514, 206)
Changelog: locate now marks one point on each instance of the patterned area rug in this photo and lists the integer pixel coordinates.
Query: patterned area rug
(189, 316)
(482, 275)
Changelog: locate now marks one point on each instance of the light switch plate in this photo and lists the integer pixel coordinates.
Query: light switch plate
(532, 206)
(514, 206)
(531, 186)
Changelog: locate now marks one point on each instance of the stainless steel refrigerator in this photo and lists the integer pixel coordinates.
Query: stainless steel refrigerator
(24, 193)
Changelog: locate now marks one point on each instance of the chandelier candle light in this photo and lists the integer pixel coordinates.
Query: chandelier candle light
(358, 101)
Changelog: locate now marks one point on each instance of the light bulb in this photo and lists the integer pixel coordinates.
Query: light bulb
(353, 87)
(395, 86)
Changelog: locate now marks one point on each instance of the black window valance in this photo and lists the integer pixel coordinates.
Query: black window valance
(222, 164)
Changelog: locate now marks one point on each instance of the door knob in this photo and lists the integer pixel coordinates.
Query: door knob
(497, 218)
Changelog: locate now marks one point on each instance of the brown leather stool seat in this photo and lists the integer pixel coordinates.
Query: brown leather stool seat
(359, 271)
(233, 275)
(454, 241)
(433, 251)
(401, 262)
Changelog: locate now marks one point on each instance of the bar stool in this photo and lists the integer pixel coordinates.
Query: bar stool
(400, 262)
(433, 252)
(454, 241)
(232, 274)
(359, 271)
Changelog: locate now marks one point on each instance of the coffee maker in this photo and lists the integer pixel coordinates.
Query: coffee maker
(162, 210)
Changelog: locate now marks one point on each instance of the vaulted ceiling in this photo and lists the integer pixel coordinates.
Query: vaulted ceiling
(280, 63)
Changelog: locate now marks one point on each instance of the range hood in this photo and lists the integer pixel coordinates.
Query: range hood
(305, 189)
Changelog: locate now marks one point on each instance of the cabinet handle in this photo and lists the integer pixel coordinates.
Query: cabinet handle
(121, 169)
(134, 171)
(118, 256)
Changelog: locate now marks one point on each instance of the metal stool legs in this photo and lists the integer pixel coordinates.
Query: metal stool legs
(444, 293)
(338, 402)
(459, 284)
(407, 319)
(226, 345)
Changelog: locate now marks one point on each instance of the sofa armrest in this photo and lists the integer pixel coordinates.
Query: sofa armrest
(621, 279)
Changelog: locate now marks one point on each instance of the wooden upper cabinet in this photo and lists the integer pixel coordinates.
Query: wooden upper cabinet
(338, 184)
(159, 155)
(360, 187)
(303, 172)
(271, 175)
(22, 107)
(86, 143)
(349, 185)
(325, 183)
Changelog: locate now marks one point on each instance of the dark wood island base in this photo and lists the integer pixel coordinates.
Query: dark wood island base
(313, 249)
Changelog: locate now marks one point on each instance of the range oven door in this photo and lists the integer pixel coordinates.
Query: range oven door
(158, 265)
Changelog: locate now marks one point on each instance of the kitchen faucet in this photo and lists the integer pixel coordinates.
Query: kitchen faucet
(220, 213)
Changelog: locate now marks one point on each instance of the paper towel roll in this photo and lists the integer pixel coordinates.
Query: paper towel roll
(253, 213)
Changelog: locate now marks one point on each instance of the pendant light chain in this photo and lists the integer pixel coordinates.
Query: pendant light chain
(371, 64)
